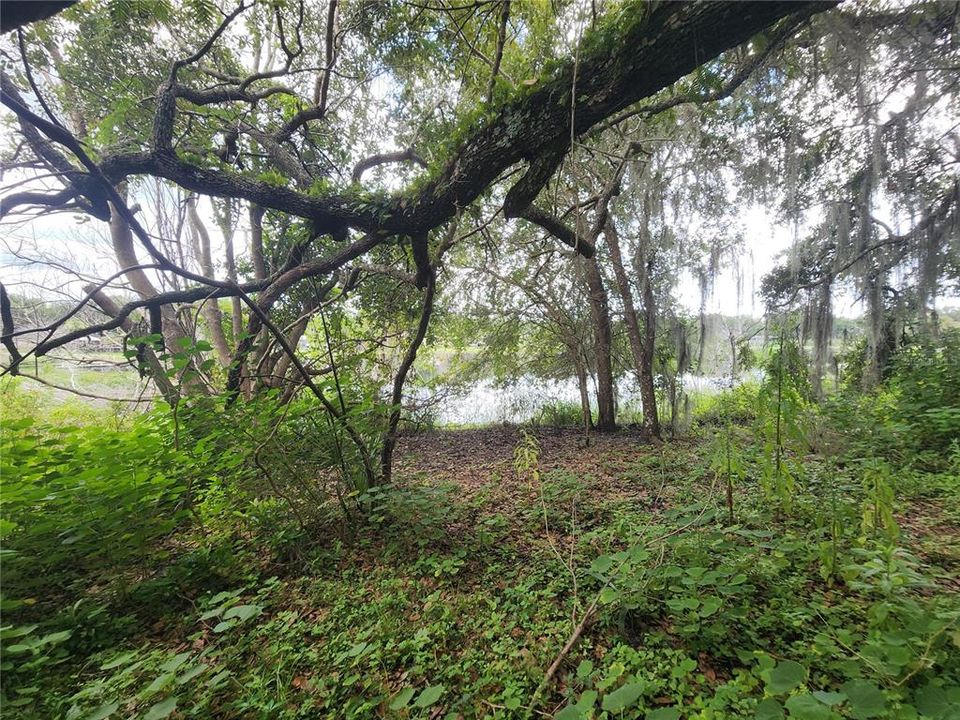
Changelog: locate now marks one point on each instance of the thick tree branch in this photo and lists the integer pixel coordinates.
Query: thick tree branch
(408, 155)
(559, 229)
(17, 13)
(7, 328)
(653, 52)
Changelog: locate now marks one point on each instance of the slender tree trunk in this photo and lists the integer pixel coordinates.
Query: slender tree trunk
(603, 341)
(642, 358)
(733, 358)
(390, 436)
(258, 258)
(228, 229)
(584, 389)
(256, 242)
(210, 309)
(174, 336)
(280, 368)
(648, 393)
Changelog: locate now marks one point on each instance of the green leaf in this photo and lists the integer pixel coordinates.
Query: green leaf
(623, 697)
(584, 669)
(159, 684)
(601, 564)
(865, 699)
(806, 707)
(190, 673)
(243, 612)
(429, 696)
(9, 633)
(932, 701)
(402, 698)
(786, 676)
(119, 660)
(103, 712)
(162, 709)
(218, 679)
(769, 709)
(711, 604)
(570, 712)
(56, 638)
(829, 698)
(587, 700)
(175, 662)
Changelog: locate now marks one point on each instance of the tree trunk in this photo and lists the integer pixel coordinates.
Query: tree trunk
(256, 242)
(642, 357)
(258, 259)
(584, 389)
(210, 310)
(603, 341)
(174, 337)
(648, 394)
(390, 436)
(227, 227)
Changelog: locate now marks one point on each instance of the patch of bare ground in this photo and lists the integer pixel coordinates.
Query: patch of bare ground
(618, 467)
(477, 458)
(930, 533)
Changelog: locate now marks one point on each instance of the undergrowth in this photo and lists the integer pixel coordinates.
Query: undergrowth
(780, 562)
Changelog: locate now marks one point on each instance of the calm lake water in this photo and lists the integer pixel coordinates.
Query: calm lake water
(486, 402)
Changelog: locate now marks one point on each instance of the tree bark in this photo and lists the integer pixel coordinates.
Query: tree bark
(653, 49)
(603, 342)
(648, 394)
(390, 436)
(584, 389)
(228, 229)
(642, 356)
(17, 13)
(123, 247)
(256, 242)
(210, 310)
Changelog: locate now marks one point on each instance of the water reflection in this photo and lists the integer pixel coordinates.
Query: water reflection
(487, 402)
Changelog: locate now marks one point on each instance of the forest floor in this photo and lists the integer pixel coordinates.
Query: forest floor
(476, 573)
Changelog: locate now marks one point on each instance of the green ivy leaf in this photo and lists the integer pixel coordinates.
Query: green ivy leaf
(786, 676)
(402, 698)
(103, 712)
(429, 696)
(769, 709)
(623, 698)
(866, 700)
(806, 707)
(162, 709)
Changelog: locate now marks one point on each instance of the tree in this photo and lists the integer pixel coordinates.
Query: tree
(876, 188)
(260, 115)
